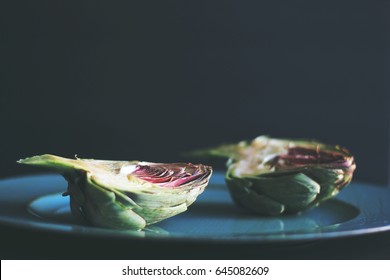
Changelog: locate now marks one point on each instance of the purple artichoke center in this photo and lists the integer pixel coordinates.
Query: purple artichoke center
(305, 156)
(171, 175)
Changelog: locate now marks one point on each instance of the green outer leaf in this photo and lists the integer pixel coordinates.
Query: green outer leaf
(330, 180)
(102, 208)
(155, 207)
(154, 215)
(244, 196)
(295, 191)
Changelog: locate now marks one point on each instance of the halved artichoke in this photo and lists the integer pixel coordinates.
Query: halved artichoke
(127, 194)
(271, 176)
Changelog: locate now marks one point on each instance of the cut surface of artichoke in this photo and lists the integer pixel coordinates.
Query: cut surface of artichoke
(271, 176)
(127, 194)
(257, 157)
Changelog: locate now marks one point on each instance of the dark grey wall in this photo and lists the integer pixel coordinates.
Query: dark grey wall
(148, 80)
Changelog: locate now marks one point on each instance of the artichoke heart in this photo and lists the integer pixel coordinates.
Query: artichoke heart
(269, 176)
(127, 194)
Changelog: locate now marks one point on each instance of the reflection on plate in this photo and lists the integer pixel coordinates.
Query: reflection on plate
(36, 202)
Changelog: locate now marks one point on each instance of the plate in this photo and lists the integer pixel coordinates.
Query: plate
(36, 202)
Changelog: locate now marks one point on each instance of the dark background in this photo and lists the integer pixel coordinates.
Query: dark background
(148, 80)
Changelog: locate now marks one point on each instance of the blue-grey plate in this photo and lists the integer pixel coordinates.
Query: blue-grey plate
(37, 202)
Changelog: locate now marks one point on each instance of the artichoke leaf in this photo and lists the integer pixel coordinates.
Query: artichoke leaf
(104, 209)
(262, 204)
(295, 191)
(154, 215)
(248, 199)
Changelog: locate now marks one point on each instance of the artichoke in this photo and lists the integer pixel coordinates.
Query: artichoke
(271, 176)
(127, 194)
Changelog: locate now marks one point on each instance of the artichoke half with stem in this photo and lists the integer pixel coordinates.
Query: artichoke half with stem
(126, 194)
(270, 176)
